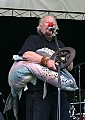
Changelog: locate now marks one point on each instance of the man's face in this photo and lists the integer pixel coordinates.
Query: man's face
(44, 27)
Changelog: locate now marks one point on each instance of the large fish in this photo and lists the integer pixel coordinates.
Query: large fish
(23, 72)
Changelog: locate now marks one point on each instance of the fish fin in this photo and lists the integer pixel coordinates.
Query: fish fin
(8, 104)
(15, 108)
(20, 94)
(44, 90)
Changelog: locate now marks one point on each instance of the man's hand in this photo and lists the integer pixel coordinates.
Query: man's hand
(51, 64)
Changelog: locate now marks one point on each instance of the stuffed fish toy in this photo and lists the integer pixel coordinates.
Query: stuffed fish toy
(23, 72)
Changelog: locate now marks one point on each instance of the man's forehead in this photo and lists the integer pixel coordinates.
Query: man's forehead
(47, 20)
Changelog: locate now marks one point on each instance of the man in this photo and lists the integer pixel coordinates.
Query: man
(38, 108)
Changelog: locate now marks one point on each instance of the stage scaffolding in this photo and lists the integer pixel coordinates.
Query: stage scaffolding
(40, 13)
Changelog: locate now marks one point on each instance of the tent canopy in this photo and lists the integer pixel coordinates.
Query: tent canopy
(51, 5)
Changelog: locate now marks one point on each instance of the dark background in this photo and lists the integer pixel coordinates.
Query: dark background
(14, 31)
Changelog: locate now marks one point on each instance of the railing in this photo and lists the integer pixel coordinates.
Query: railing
(41, 13)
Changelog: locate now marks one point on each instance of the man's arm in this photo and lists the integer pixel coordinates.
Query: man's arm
(31, 56)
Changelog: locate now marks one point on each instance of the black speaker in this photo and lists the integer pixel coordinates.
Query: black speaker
(1, 116)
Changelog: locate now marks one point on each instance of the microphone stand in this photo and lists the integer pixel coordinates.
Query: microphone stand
(79, 91)
(59, 79)
(79, 86)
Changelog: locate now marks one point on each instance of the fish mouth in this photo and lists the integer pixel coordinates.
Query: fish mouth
(70, 88)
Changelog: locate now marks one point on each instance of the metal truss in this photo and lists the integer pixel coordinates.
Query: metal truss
(41, 13)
